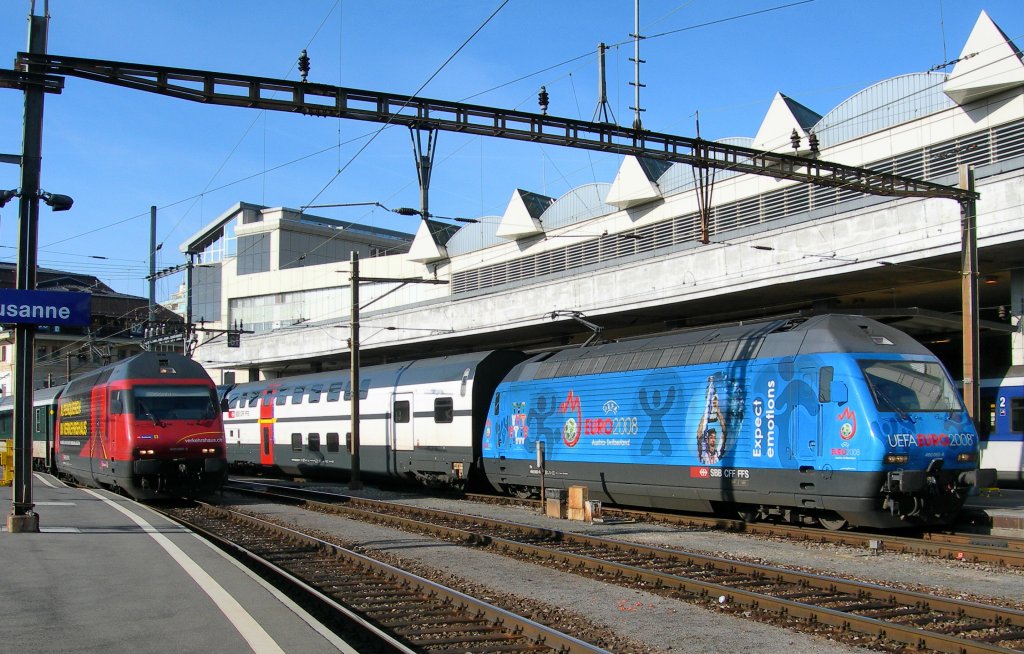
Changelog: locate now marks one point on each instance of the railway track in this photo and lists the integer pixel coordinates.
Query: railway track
(888, 616)
(973, 548)
(374, 606)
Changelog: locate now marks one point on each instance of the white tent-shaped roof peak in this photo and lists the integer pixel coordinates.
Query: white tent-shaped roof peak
(636, 182)
(522, 215)
(425, 248)
(784, 116)
(989, 63)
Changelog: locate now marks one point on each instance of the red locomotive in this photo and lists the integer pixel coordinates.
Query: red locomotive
(149, 426)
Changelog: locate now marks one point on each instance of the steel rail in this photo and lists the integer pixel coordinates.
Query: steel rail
(538, 637)
(800, 604)
(972, 548)
(292, 585)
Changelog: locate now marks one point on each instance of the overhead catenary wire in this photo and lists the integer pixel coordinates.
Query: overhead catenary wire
(326, 149)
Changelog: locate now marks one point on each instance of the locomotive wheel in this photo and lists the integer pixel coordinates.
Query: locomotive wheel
(832, 521)
(747, 514)
(522, 492)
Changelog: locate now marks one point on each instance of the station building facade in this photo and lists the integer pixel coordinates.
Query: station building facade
(631, 256)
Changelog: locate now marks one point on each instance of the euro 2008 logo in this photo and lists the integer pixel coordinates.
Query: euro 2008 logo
(571, 432)
(571, 428)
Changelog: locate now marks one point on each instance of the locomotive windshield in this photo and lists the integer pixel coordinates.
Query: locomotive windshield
(159, 403)
(904, 386)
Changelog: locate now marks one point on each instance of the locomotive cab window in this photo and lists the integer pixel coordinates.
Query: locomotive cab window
(161, 403)
(444, 409)
(902, 386)
(401, 411)
(118, 402)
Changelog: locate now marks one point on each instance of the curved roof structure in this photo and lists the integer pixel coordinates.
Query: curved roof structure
(580, 204)
(883, 105)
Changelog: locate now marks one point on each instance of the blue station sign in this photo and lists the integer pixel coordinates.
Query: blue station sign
(45, 307)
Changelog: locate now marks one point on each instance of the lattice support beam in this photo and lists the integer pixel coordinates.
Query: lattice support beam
(426, 114)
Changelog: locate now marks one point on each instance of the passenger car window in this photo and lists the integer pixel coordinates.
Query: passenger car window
(296, 442)
(444, 409)
(334, 392)
(401, 411)
(1017, 414)
(314, 393)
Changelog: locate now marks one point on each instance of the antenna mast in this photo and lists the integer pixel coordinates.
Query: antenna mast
(603, 113)
(637, 124)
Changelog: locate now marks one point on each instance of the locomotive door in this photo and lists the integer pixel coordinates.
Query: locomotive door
(266, 425)
(806, 413)
(100, 434)
(401, 422)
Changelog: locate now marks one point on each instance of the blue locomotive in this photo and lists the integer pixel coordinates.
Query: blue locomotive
(835, 420)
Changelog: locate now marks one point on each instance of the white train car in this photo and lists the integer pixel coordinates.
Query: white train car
(1002, 425)
(417, 419)
(44, 417)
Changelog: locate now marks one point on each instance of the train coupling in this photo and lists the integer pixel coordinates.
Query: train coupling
(906, 481)
(979, 478)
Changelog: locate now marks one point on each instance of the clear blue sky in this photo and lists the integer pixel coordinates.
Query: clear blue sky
(118, 151)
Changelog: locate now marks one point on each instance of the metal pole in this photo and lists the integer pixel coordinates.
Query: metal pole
(355, 482)
(637, 123)
(969, 293)
(541, 465)
(22, 517)
(152, 264)
(187, 338)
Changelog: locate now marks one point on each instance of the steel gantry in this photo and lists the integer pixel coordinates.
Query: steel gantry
(423, 114)
(312, 99)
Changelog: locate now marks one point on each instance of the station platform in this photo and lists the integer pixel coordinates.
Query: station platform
(105, 574)
(1001, 508)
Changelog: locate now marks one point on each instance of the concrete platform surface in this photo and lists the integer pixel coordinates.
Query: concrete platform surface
(105, 574)
(1004, 508)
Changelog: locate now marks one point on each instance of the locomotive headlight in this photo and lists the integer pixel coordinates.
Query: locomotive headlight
(144, 452)
(965, 457)
(896, 458)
